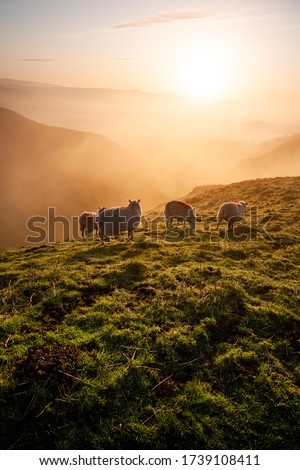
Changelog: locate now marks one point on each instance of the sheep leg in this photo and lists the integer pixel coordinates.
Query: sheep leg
(218, 223)
(130, 235)
(101, 232)
(133, 223)
(231, 222)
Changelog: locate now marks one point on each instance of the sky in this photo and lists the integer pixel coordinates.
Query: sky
(209, 49)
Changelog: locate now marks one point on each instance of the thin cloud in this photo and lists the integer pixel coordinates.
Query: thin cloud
(35, 60)
(220, 15)
(122, 58)
(165, 18)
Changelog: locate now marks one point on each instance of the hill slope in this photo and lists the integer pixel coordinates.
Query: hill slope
(43, 166)
(157, 344)
(263, 195)
(284, 160)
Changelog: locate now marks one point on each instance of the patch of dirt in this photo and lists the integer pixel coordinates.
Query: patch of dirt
(54, 366)
(89, 293)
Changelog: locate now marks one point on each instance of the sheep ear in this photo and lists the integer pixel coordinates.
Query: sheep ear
(129, 200)
(139, 200)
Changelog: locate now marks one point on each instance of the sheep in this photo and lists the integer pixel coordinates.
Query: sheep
(87, 222)
(181, 211)
(232, 212)
(117, 219)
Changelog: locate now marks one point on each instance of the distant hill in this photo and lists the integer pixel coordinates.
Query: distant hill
(284, 160)
(43, 166)
(185, 142)
(116, 113)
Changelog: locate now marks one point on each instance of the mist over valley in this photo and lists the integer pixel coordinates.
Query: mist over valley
(77, 148)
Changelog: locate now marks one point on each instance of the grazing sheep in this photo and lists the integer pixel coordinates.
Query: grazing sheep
(117, 219)
(232, 212)
(87, 222)
(181, 211)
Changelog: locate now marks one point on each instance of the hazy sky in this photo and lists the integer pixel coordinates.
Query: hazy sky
(209, 48)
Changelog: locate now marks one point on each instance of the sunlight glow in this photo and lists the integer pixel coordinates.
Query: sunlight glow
(204, 74)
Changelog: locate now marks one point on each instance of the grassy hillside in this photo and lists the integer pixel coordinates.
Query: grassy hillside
(164, 343)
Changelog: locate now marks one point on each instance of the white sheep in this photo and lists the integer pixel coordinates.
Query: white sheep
(117, 219)
(232, 212)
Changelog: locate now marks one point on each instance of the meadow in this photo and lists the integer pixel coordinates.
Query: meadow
(172, 341)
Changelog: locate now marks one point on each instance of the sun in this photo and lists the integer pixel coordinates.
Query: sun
(204, 75)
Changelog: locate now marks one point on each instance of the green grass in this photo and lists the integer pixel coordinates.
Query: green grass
(154, 345)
